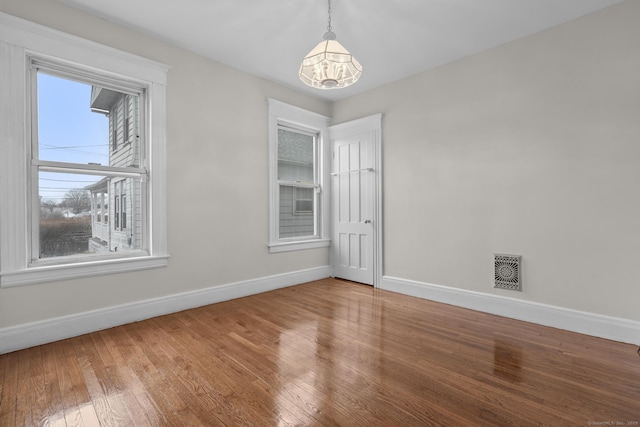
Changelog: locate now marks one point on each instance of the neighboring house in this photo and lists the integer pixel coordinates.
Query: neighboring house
(115, 202)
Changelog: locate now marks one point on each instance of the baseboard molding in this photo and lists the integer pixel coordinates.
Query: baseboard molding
(32, 334)
(597, 325)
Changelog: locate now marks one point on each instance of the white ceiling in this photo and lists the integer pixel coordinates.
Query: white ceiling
(392, 39)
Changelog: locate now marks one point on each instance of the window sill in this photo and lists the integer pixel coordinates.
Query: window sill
(51, 273)
(298, 245)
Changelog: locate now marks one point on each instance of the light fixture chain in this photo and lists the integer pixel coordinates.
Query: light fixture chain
(329, 26)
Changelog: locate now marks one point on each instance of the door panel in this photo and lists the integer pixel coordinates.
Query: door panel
(354, 209)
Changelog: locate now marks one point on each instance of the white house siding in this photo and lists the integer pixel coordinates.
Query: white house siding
(123, 152)
(126, 152)
(293, 224)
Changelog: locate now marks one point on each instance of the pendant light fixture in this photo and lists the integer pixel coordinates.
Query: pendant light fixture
(329, 65)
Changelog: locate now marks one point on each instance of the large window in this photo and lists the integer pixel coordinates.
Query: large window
(73, 117)
(87, 128)
(299, 203)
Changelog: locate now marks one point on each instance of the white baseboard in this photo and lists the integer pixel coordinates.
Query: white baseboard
(31, 334)
(597, 325)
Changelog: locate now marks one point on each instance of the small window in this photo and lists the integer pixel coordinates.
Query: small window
(298, 143)
(117, 215)
(113, 125)
(123, 212)
(297, 176)
(304, 201)
(126, 126)
(120, 213)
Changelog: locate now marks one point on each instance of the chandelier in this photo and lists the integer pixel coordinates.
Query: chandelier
(329, 65)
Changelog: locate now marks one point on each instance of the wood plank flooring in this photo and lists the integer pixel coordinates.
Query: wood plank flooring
(326, 353)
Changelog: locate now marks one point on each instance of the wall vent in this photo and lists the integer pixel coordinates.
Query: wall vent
(508, 272)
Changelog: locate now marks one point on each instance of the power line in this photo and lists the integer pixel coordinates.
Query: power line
(55, 147)
(64, 180)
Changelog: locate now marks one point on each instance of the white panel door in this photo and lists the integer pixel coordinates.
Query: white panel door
(354, 204)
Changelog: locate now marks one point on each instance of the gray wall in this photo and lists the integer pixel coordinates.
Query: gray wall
(217, 137)
(531, 148)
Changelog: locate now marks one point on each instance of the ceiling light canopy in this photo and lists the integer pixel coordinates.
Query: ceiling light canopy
(329, 65)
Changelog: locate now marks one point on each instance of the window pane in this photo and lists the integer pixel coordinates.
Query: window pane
(303, 200)
(295, 223)
(75, 213)
(65, 214)
(81, 123)
(295, 156)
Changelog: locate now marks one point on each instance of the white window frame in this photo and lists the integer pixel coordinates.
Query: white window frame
(282, 114)
(21, 40)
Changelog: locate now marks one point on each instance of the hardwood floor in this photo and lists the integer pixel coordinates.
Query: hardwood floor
(326, 353)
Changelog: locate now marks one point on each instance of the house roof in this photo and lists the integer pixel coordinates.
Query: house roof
(102, 100)
(98, 186)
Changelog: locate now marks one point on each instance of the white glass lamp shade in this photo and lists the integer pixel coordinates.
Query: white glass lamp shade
(329, 65)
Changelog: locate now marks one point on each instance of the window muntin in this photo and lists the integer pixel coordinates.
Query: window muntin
(74, 120)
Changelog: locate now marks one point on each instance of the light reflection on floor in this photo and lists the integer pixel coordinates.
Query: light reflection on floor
(297, 369)
(305, 379)
(84, 416)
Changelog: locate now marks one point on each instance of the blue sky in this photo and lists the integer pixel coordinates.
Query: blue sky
(68, 131)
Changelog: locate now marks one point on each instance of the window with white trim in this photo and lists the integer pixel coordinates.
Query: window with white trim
(87, 129)
(298, 146)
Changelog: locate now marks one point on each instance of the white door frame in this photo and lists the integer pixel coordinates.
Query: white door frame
(371, 124)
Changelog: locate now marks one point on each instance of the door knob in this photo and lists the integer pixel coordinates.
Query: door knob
(367, 221)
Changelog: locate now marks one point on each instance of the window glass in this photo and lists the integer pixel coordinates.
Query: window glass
(77, 122)
(295, 156)
(297, 178)
(303, 201)
(68, 130)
